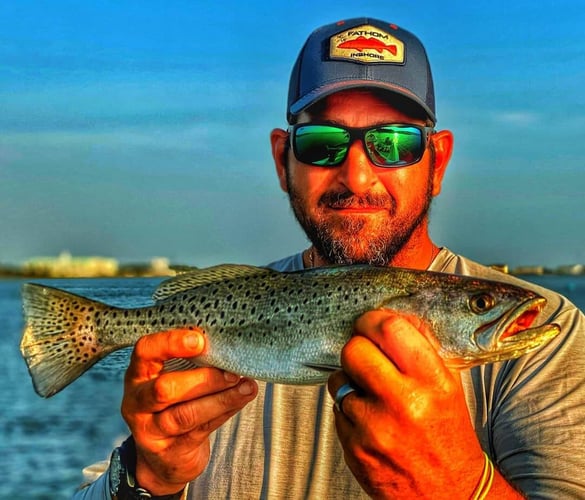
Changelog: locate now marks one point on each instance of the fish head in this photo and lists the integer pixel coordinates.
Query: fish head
(498, 326)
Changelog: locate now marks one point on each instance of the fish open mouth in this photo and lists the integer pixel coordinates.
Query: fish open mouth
(521, 319)
(513, 332)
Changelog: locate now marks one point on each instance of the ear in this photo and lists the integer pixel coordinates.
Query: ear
(443, 144)
(278, 138)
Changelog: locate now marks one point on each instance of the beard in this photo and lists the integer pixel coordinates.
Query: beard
(354, 239)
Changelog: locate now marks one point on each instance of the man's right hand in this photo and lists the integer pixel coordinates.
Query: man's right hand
(171, 414)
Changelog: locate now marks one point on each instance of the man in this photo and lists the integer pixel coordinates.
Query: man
(361, 162)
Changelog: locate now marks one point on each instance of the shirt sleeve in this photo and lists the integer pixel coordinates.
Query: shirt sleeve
(98, 490)
(535, 416)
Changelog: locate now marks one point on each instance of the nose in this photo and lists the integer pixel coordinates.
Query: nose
(357, 173)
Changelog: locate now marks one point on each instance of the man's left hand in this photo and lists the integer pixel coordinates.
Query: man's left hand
(406, 431)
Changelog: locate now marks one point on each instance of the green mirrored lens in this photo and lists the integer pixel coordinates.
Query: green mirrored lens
(394, 146)
(321, 144)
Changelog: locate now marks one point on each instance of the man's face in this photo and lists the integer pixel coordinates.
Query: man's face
(358, 212)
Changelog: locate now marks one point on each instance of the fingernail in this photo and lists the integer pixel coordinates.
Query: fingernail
(246, 388)
(192, 341)
(231, 377)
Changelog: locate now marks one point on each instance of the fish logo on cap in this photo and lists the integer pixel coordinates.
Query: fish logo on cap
(366, 44)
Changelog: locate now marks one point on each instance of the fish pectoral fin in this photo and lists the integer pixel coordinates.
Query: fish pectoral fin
(323, 367)
(390, 301)
(209, 275)
(179, 364)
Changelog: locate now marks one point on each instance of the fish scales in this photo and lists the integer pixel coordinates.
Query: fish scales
(284, 321)
(280, 327)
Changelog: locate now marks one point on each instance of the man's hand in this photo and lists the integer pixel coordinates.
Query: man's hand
(171, 414)
(406, 431)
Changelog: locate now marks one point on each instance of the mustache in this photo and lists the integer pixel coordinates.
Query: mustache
(347, 199)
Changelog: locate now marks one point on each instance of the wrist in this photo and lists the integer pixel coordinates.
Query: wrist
(148, 478)
(123, 483)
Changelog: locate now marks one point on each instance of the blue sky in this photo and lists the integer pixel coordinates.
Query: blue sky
(139, 129)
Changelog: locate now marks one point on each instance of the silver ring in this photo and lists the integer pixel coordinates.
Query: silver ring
(341, 393)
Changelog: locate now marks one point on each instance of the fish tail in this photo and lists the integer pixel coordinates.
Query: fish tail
(61, 338)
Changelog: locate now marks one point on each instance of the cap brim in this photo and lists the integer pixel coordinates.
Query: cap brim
(326, 90)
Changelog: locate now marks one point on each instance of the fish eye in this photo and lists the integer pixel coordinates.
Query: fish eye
(481, 303)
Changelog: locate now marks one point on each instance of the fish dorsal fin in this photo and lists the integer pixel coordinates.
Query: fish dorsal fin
(207, 276)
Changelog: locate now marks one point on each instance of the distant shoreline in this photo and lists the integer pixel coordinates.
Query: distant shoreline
(11, 272)
(66, 266)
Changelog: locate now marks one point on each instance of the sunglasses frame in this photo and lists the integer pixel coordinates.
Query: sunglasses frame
(356, 133)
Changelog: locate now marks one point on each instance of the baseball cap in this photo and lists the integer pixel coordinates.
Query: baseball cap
(361, 52)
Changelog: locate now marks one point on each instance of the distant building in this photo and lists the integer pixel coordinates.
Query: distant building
(160, 266)
(503, 268)
(66, 266)
(535, 270)
(573, 269)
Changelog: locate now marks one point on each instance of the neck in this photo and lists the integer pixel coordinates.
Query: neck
(420, 259)
(418, 252)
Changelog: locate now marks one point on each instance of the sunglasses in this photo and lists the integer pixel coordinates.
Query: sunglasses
(326, 145)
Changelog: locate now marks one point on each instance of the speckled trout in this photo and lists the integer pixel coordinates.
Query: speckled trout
(284, 327)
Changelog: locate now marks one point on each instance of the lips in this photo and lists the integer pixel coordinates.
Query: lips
(357, 208)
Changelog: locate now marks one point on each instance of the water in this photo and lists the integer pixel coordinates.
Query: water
(45, 443)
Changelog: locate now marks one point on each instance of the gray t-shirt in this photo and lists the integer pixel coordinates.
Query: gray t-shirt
(529, 415)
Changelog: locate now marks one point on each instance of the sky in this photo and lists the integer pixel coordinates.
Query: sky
(139, 129)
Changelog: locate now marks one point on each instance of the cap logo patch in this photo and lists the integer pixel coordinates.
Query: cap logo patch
(366, 44)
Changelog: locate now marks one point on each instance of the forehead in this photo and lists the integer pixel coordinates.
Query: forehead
(364, 106)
